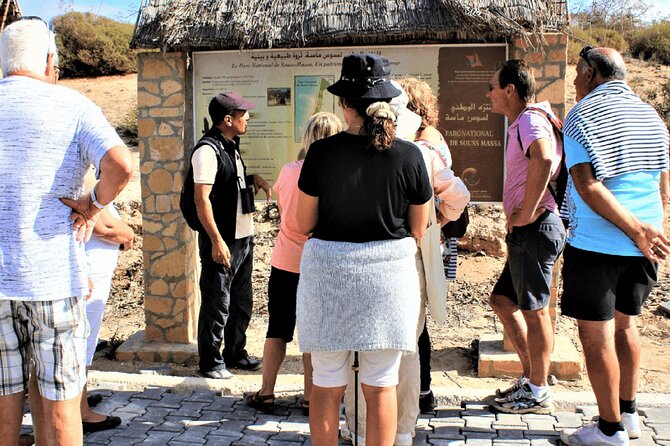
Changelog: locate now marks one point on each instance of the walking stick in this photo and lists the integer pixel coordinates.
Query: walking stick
(355, 368)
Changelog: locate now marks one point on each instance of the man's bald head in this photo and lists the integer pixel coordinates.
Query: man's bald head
(608, 64)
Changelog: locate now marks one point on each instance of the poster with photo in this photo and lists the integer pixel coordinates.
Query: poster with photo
(289, 86)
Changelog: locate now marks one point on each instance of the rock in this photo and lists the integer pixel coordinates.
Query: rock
(486, 231)
(665, 307)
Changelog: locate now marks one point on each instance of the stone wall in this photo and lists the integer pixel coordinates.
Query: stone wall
(548, 66)
(169, 245)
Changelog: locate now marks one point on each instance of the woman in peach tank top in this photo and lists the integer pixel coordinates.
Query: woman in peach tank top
(285, 272)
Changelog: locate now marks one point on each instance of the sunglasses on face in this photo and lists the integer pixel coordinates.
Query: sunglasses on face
(584, 54)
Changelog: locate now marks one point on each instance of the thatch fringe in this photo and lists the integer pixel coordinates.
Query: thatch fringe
(233, 24)
(9, 11)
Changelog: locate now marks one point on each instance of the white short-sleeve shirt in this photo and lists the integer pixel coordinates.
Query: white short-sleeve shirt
(49, 136)
(204, 172)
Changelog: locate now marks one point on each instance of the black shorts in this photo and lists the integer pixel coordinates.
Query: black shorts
(596, 284)
(282, 294)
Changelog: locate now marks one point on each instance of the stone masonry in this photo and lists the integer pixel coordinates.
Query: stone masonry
(549, 68)
(170, 258)
(165, 132)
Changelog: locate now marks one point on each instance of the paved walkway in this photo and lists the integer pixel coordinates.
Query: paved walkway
(156, 416)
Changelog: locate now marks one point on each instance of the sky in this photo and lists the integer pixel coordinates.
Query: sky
(126, 10)
(120, 10)
(659, 9)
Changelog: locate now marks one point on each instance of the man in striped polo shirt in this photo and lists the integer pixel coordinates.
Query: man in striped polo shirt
(616, 147)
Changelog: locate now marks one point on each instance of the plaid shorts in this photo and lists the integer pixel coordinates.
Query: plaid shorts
(51, 334)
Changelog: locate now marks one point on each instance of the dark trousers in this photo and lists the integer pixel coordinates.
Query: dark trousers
(424, 359)
(226, 303)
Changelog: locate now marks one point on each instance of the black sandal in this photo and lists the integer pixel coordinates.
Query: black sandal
(108, 423)
(304, 405)
(264, 403)
(93, 400)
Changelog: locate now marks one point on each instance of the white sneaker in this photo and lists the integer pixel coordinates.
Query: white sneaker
(590, 435)
(524, 401)
(631, 421)
(218, 374)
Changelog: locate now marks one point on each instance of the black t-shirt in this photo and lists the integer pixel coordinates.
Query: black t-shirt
(363, 194)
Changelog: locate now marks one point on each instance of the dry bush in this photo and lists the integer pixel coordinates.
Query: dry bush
(660, 99)
(594, 37)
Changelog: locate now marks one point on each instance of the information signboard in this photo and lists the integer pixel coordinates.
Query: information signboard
(288, 86)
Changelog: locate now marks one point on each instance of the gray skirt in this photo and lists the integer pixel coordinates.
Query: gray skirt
(358, 296)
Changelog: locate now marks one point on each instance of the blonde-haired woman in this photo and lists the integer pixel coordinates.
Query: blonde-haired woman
(363, 195)
(285, 271)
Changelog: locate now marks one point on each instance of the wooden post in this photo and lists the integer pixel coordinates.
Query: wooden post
(4, 15)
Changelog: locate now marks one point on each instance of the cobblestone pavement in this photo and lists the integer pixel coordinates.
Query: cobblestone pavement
(156, 416)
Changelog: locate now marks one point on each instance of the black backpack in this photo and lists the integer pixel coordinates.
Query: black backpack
(558, 185)
(187, 197)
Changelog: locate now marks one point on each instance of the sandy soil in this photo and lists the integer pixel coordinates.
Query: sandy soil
(470, 316)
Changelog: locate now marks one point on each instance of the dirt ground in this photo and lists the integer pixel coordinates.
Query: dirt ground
(470, 316)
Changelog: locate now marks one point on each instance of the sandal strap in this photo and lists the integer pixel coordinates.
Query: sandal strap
(263, 398)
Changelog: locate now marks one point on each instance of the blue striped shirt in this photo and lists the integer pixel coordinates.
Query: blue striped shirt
(637, 191)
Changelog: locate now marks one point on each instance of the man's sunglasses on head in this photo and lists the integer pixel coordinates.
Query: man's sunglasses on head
(584, 54)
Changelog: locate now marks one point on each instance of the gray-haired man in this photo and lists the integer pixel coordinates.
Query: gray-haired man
(49, 136)
(616, 147)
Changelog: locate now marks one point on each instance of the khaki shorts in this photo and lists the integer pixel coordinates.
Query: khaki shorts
(51, 334)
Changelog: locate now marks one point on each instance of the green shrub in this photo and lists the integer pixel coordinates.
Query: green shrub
(610, 38)
(90, 45)
(660, 99)
(652, 42)
(578, 38)
(594, 37)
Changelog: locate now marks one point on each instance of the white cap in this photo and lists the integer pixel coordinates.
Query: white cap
(407, 122)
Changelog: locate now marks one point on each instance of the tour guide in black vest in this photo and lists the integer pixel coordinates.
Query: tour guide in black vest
(224, 202)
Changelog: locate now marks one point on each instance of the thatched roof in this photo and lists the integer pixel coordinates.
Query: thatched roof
(9, 11)
(232, 24)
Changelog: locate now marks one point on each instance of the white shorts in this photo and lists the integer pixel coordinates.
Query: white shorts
(95, 308)
(377, 368)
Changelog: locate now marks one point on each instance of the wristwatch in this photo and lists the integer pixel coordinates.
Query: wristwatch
(95, 201)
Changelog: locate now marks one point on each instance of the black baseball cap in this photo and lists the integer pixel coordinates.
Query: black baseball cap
(224, 103)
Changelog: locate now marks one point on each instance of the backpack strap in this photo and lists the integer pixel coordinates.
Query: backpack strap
(208, 141)
(557, 127)
(214, 144)
(430, 146)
